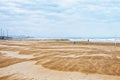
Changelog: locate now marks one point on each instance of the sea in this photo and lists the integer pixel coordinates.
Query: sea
(111, 40)
(90, 39)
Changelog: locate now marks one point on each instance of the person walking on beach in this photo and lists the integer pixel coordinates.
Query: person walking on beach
(74, 42)
(88, 40)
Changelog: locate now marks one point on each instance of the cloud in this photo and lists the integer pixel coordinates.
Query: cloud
(60, 8)
(47, 14)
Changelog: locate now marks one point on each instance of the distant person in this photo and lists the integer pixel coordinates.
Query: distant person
(88, 40)
(74, 42)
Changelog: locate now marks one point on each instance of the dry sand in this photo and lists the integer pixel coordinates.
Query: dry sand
(58, 60)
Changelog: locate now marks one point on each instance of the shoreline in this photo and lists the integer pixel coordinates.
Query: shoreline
(68, 41)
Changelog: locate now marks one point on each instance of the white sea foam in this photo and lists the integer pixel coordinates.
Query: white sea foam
(98, 40)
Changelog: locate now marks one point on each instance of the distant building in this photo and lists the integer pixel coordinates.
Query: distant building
(5, 38)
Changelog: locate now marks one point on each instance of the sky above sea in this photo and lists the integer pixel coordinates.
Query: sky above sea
(61, 18)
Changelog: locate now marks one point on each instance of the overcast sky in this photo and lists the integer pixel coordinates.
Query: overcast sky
(61, 18)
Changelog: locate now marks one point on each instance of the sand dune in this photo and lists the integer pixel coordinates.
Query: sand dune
(58, 60)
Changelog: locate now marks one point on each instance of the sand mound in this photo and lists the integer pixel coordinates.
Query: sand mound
(86, 64)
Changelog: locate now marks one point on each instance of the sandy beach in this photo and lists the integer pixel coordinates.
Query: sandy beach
(58, 60)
